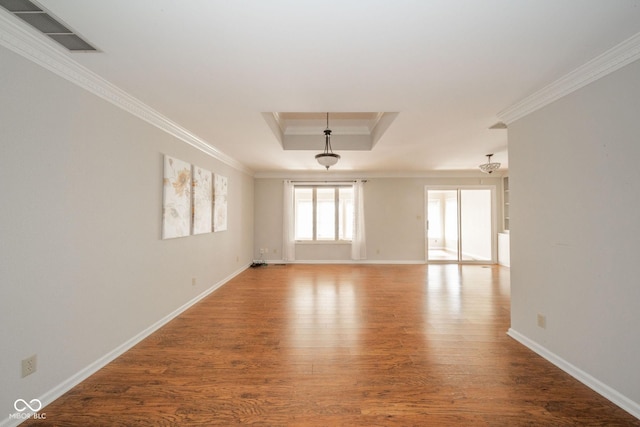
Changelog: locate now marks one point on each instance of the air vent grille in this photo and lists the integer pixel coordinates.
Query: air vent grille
(43, 22)
(72, 42)
(46, 24)
(20, 6)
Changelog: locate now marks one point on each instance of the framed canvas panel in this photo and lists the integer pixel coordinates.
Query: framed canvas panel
(202, 200)
(220, 202)
(176, 209)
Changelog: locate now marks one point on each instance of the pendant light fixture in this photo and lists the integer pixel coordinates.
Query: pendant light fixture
(489, 167)
(327, 157)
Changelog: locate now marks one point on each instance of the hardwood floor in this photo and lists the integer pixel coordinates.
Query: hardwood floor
(339, 345)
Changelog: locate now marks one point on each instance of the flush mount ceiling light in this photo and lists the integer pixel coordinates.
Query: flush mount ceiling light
(327, 157)
(489, 167)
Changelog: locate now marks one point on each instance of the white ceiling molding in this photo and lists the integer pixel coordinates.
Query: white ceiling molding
(615, 58)
(338, 175)
(21, 39)
(273, 120)
(353, 131)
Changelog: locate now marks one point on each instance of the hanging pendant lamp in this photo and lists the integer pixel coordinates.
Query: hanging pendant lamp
(490, 166)
(327, 157)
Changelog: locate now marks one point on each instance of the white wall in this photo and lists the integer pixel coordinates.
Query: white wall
(575, 229)
(83, 268)
(476, 214)
(504, 249)
(394, 217)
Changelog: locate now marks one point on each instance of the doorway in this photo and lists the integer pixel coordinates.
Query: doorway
(460, 224)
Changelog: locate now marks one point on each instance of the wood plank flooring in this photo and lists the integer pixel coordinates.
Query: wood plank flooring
(339, 345)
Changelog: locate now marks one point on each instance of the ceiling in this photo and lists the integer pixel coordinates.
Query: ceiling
(444, 69)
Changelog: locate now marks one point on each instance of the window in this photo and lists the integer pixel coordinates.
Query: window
(323, 213)
(434, 216)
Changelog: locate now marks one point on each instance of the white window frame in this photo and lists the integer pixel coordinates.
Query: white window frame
(314, 238)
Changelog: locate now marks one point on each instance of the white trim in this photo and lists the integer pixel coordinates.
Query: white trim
(53, 394)
(14, 36)
(596, 385)
(334, 174)
(346, 261)
(323, 242)
(615, 58)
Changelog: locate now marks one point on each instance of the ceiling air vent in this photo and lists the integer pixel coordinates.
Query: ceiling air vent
(42, 21)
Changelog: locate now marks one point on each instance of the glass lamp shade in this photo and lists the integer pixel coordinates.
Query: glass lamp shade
(489, 167)
(327, 159)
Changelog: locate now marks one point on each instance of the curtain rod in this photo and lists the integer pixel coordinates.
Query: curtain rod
(327, 182)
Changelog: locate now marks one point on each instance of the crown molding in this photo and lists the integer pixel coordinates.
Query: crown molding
(615, 58)
(333, 174)
(17, 37)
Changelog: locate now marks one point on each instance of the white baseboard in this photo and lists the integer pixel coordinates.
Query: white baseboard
(598, 386)
(346, 261)
(85, 373)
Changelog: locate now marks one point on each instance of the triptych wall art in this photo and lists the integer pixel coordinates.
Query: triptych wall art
(202, 200)
(195, 200)
(220, 203)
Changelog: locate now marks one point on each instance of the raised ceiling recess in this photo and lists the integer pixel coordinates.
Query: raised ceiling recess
(350, 131)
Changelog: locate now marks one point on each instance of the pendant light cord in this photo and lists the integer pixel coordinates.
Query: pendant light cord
(327, 133)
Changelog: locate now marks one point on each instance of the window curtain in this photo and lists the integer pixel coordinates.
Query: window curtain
(288, 235)
(358, 244)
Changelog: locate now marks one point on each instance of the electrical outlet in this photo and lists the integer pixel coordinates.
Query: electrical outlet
(29, 365)
(542, 321)
(261, 251)
(193, 281)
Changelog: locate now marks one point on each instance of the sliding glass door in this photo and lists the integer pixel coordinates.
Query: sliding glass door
(460, 224)
(442, 230)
